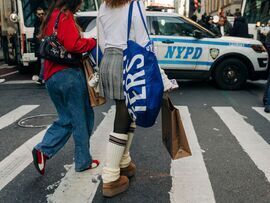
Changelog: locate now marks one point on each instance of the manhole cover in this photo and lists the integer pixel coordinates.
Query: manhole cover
(38, 121)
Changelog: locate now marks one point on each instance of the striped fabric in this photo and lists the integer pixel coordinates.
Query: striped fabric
(111, 74)
(117, 141)
(132, 128)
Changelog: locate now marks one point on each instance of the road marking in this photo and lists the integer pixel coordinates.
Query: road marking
(260, 110)
(190, 179)
(78, 187)
(16, 114)
(18, 82)
(8, 74)
(252, 143)
(6, 66)
(18, 160)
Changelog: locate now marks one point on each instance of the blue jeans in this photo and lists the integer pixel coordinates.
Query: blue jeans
(267, 88)
(267, 92)
(68, 91)
(41, 73)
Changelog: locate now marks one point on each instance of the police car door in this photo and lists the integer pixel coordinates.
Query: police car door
(174, 43)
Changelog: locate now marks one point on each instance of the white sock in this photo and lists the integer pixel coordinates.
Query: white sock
(126, 159)
(115, 150)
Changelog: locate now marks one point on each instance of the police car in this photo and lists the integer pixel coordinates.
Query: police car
(185, 50)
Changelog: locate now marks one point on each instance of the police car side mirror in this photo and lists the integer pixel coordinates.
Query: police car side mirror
(197, 34)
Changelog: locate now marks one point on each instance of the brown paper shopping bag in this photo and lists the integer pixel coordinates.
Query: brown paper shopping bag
(173, 134)
(94, 97)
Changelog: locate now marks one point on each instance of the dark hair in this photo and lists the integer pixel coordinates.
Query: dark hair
(194, 18)
(208, 18)
(39, 9)
(116, 3)
(238, 14)
(64, 5)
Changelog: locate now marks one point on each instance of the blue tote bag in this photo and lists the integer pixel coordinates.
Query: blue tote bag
(143, 86)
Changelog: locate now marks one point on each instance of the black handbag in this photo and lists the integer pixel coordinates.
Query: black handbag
(52, 50)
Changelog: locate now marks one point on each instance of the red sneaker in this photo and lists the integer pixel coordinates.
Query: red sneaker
(94, 164)
(39, 161)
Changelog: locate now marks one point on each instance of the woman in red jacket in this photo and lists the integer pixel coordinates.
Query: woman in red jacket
(68, 91)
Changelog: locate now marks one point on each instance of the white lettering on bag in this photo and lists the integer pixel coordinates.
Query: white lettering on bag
(133, 81)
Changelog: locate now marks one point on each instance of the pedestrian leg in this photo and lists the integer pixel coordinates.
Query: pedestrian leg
(265, 98)
(113, 183)
(60, 131)
(127, 167)
(81, 115)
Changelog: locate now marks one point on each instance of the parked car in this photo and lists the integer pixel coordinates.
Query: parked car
(186, 50)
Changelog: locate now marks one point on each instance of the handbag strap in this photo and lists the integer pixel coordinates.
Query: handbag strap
(130, 19)
(97, 42)
(55, 27)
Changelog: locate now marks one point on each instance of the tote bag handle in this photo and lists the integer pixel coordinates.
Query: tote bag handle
(97, 46)
(130, 19)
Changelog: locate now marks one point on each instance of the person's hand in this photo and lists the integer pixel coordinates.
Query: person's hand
(174, 85)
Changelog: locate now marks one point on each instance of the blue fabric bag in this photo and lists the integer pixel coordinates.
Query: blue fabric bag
(96, 54)
(143, 86)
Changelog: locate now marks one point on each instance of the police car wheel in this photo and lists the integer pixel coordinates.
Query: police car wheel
(231, 74)
(7, 56)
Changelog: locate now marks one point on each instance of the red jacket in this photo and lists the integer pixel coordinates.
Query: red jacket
(69, 36)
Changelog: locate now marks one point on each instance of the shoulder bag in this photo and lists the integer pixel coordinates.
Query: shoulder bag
(51, 49)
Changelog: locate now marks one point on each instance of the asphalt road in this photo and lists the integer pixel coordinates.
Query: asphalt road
(234, 172)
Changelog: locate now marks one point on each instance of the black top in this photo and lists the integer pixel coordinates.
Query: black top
(240, 28)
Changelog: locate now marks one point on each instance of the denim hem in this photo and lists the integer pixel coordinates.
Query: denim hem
(48, 156)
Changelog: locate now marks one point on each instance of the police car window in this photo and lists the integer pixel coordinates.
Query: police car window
(89, 5)
(205, 32)
(171, 26)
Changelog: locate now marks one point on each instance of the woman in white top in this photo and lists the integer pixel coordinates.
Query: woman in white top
(112, 28)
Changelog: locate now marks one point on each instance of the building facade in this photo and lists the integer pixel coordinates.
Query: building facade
(213, 7)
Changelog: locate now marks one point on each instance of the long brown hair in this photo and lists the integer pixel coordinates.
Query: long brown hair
(116, 3)
(64, 5)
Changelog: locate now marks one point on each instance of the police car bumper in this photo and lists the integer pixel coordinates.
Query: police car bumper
(263, 62)
(260, 75)
(264, 73)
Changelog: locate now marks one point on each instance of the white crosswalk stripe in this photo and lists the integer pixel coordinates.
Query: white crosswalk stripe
(252, 143)
(190, 179)
(16, 162)
(260, 110)
(16, 114)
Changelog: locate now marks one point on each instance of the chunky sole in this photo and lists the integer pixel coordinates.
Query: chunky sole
(129, 174)
(115, 191)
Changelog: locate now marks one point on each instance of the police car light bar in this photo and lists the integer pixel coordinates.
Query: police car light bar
(158, 6)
